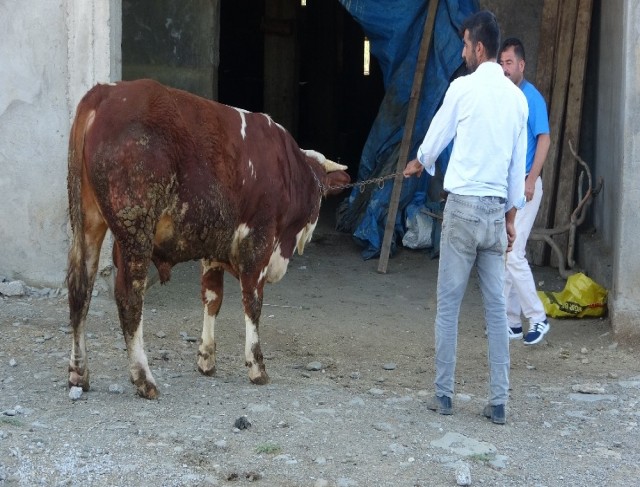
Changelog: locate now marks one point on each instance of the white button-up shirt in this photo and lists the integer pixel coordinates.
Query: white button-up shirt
(485, 114)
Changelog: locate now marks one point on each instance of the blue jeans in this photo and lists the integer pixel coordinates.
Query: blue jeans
(473, 232)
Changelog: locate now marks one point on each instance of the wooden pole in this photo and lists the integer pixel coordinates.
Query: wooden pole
(409, 124)
(568, 164)
(557, 110)
(547, 47)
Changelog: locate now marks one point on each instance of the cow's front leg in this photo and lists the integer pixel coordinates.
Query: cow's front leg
(252, 300)
(129, 291)
(212, 292)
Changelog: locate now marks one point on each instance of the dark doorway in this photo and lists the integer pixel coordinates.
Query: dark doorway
(335, 103)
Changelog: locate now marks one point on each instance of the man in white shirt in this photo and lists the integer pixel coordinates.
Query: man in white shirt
(485, 115)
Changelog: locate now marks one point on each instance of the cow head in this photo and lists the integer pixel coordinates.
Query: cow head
(336, 176)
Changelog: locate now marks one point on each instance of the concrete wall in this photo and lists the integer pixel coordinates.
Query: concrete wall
(51, 53)
(618, 157)
(175, 42)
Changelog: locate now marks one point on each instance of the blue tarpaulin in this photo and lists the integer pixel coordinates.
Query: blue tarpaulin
(394, 29)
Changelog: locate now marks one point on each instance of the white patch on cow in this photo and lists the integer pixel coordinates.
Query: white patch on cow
(252, 339)
(210, 295)
(252, 168)
(137, 358)
(243, 122)
(277, 267)
(239, 234)
(304, 236)
(208, 327)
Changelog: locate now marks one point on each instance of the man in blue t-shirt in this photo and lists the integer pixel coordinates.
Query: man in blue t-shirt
(520, 287)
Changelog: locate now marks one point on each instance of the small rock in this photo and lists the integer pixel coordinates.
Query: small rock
(584, 350)
(389, 366)
(75, 393)
(321, 483)
(314, 366)
(116, 389)
(463, 474)
(242, 423)
(161, 334)
(13, 288)
(221, 444)
(13, 362)
(374, 391)
(588, 388)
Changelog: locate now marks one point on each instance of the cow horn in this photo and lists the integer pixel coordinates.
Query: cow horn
(329, 166)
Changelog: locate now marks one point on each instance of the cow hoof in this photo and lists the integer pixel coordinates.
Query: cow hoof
(206, 363)
(261, 379)
(206, 370)
(148, 391)
(79, 380)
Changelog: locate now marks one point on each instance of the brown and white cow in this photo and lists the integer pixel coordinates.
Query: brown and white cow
(176, 177)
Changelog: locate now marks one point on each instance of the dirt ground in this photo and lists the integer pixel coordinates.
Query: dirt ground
(358, 421)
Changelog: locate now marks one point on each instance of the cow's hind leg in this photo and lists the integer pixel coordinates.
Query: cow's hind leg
(252, 288)
(84, 256)
(212, 292)
(129, 291)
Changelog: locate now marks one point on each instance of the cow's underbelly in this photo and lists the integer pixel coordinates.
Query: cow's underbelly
(176, 241)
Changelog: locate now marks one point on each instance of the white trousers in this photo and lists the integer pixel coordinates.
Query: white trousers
(519, 285)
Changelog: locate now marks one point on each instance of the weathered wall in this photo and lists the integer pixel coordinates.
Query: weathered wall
(51, 53)
(618, 157)
(175, 42)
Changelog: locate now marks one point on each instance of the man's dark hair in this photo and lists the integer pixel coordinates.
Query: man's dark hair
(516, 43)
(483, 27)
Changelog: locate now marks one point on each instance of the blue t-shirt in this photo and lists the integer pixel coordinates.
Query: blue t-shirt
(538, 122)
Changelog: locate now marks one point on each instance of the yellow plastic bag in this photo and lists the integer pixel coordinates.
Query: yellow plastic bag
(581, 297)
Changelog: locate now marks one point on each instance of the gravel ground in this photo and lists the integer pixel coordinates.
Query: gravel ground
(350, 356)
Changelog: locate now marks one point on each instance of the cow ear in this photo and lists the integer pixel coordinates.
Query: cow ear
(330, 166)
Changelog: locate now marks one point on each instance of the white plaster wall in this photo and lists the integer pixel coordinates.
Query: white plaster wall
(51, 53)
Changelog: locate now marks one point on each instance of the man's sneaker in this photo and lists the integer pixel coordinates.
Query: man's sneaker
(536, 332)
(441, 404)
(495, 413)
(515, 332)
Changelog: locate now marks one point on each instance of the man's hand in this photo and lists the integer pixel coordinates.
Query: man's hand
(529, 189)
(510, 224)
(511, 236)
(413, 167)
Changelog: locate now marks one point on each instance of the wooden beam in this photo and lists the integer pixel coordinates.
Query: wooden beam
(547, 47)
(557, 110)
(568, 164)
(409, 124)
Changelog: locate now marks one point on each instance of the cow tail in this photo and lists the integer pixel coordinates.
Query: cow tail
(77, 276)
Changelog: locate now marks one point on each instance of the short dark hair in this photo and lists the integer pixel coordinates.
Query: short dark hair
(516, 43)
(483, 27)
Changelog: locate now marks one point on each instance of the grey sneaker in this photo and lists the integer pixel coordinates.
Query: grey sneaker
(536, 332)
(441, 404)
(515, 332)
(495, 413)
